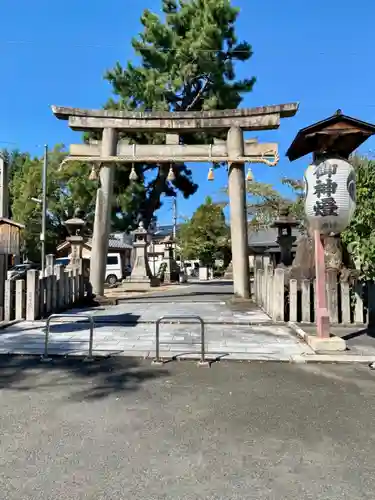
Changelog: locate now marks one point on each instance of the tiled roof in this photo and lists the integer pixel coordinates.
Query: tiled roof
(266, 237)
(113, 244)
(163, 231)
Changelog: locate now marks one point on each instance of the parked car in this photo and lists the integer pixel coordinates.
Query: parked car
(62, 261)
(18, 272)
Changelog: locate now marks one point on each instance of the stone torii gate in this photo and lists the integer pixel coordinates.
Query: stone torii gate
(235, 151)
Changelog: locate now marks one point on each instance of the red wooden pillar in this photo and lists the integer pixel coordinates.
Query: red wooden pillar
(322, 317)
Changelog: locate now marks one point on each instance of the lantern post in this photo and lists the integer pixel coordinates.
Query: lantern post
(329, 189)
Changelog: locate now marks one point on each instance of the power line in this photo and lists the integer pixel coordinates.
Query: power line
(50, 43)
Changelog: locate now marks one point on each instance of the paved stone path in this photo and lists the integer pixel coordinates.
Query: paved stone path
(241, 332)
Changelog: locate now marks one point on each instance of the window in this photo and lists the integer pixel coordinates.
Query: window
(112, 260)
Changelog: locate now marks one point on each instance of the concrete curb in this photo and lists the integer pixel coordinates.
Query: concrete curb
(298, 331)
(6, 324)
(332, 344)
(212, 359)
(333, 358)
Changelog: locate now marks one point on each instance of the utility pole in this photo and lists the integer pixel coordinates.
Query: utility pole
(44, 210)
(174, 217)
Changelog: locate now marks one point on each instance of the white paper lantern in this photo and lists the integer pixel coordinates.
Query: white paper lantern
(330, 195)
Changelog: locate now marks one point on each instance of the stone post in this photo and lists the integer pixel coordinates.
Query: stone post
(20, 299)
(278, 295)
(32, 299)
(102, 221)
(8, 300)
(238, 214)
(50, 263)
(60, 283)
(42, 295)
(72, 285)
(2, 284)
(54, 301)
(77, 285)
(67, 288)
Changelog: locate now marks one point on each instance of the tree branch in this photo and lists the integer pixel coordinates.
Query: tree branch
(198, 95)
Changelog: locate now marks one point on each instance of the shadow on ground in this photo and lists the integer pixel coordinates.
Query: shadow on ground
(76, 325)
(168, 296)
(101, 321)
(89, 381)
(363, 332)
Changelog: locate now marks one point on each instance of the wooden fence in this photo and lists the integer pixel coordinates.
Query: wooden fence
(294, 300)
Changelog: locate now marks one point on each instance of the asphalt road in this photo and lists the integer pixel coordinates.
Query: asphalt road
(121, 429)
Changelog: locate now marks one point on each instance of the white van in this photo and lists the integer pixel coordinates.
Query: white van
(116, 269)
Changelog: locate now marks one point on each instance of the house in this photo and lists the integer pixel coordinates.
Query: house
(156, 248)
(115, 245)
(10, 240)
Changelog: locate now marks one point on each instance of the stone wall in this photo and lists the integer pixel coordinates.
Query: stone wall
(38, 297)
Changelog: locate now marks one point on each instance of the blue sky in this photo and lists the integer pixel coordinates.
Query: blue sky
(319, 53)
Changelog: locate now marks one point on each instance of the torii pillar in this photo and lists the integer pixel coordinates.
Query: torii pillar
(103, 212)
(238, 214)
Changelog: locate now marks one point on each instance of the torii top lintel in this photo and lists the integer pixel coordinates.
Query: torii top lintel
(260, 118)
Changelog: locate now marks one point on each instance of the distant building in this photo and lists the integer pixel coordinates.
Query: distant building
(115, 245)
(264, 242)
(10, 240)
(156, 248)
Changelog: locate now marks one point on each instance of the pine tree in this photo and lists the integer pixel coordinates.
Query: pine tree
(187, 63)
(265, 203)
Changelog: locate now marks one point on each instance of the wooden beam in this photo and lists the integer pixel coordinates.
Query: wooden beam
(175, 152)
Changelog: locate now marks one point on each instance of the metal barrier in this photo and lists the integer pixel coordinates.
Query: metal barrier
(157, 359)
(89, 357)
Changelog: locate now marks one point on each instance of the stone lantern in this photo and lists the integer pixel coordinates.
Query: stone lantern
(172, 271)
(75, 227)
(141, 278)
(284, 223)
